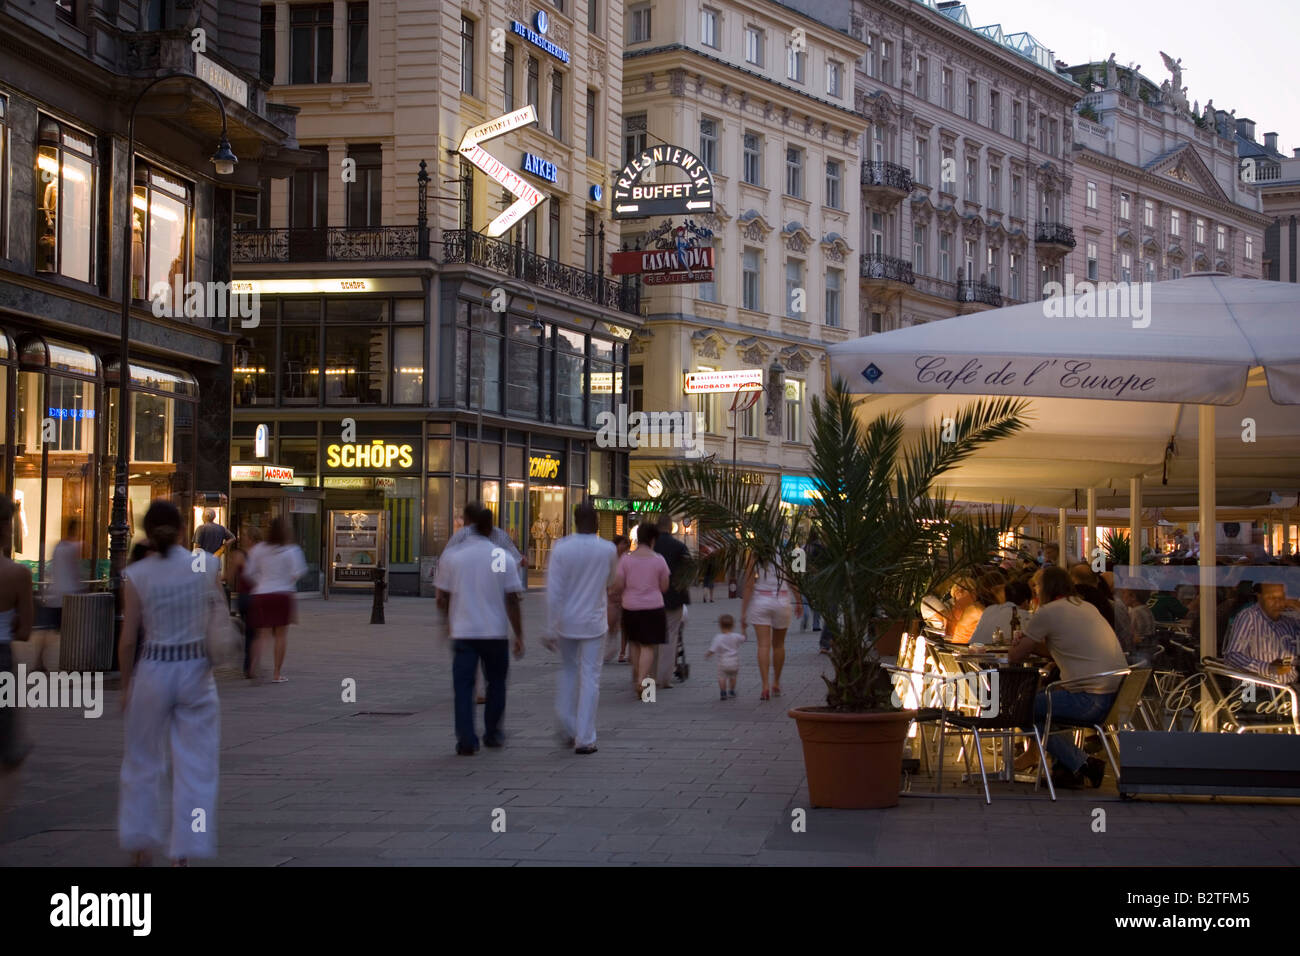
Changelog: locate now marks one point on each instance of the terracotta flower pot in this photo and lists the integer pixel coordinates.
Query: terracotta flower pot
(853, 761)
(892, 637)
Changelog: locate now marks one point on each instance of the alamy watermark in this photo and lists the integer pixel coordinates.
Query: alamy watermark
(206, 300)
(624, 429)
(76, 690)
(1098, 300)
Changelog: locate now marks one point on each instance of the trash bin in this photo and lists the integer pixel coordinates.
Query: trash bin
(87, 637)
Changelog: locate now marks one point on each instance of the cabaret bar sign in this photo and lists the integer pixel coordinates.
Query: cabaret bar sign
(661, 260)
(526, 195)
(742, 380)
(634, 200)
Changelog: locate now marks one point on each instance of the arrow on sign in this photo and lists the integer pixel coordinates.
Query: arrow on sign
(526, 195)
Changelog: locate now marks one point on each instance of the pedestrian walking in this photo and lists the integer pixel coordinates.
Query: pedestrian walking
(16, 614)
(479, 594)
(640, 582)
(708, 574)
(678, 558)
(814, 551)
(616, 632)
(274, 566)
(237, 580)
(172, 713)
(726, 644)
(578, 576)
(766, 605)
(499, 539)
(211, 536)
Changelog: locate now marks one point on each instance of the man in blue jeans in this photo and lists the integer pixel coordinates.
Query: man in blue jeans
(479, 590)
(1075, 635)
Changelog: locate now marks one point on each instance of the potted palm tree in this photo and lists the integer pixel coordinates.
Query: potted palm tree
(888, 536)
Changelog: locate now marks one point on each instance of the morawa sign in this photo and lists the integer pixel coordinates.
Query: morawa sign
(633, 199)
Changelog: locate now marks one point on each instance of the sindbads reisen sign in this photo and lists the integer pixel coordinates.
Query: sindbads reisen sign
(634, 199)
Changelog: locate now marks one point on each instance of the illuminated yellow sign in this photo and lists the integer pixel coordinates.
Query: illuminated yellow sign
(607, 383)
(544, 466)
(377, 454)
(299, 286)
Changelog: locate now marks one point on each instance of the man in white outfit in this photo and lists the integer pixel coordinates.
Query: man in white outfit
(581, 567)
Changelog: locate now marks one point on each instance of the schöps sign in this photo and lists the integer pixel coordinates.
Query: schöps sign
(377, 454)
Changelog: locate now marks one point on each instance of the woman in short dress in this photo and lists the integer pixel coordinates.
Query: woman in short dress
(766, 605)
(640, 582)
(274, 567)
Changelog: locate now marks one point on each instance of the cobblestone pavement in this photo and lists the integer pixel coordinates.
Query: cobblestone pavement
(309, 780)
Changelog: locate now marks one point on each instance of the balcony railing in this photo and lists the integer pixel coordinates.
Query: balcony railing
(875, 265)
(329, 244)
(973, 290)
(476, 249)
(1055, 234)
(883, 175)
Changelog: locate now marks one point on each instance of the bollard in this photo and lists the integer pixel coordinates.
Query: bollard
(377, 608)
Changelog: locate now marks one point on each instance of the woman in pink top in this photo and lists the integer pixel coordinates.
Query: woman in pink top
(640, 582)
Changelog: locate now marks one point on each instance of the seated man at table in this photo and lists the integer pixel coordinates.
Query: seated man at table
(1075, 635)
(1265, 637)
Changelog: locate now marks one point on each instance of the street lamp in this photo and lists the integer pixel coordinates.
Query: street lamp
(224, 160)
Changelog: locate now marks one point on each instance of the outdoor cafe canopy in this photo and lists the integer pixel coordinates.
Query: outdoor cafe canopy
(1111, 394)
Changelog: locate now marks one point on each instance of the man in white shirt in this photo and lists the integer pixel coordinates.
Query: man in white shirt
(479, 590)
(581, 568)
(498, 538)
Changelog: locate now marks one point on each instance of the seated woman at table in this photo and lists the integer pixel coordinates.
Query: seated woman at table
(1073, 633)
(1021, 595)
(964, 615)
(991, 596)
(1085, 585)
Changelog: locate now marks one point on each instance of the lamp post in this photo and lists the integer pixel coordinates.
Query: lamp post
(224, 161)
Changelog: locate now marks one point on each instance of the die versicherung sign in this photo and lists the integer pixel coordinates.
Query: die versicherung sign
(1071, 376)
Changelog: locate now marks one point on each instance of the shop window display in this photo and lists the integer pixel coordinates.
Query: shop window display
(65, 195)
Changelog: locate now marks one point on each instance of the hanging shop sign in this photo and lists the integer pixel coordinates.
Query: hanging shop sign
(538, 38)
(526, 196)
(261, 440)
(674, 254)
(280, 474)
(633, 199)
(741, 380)
(378, 455)
(536, 166)
(544, 466)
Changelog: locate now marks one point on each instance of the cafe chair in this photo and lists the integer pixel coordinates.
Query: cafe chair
(1247, 703)
(1119, 717)
(1016, 690)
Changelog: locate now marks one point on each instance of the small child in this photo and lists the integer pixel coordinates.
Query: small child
(726, 644)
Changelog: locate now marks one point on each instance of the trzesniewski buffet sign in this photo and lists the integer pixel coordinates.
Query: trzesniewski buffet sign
(633, 199)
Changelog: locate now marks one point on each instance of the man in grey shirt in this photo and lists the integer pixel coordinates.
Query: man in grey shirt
(498, 537)
(211, 536)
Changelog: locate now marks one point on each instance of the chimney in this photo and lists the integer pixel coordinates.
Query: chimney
(1246, 128)
(1270, 142)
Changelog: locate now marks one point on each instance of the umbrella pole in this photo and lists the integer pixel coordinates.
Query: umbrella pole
(1060, 537)
(1134, 525)
(1206, 464)
(1092, 525)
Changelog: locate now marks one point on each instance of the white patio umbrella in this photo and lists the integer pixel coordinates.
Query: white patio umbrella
(1121, 398)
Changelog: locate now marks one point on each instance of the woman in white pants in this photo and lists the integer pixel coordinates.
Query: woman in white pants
(169, 695)
(766, 605)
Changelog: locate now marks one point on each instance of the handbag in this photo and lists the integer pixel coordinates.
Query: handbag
(224, 633)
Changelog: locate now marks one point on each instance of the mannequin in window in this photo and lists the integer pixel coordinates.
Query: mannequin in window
(20, 522)
(137, 254)
(47, 242)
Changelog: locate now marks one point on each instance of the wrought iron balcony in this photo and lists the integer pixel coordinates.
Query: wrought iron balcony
(875, 265)
(973, 290)
(1054, 234)
(886, 177)
(329, 244)
(473, 248)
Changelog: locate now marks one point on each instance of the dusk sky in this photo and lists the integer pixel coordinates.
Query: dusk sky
(1239, 57)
